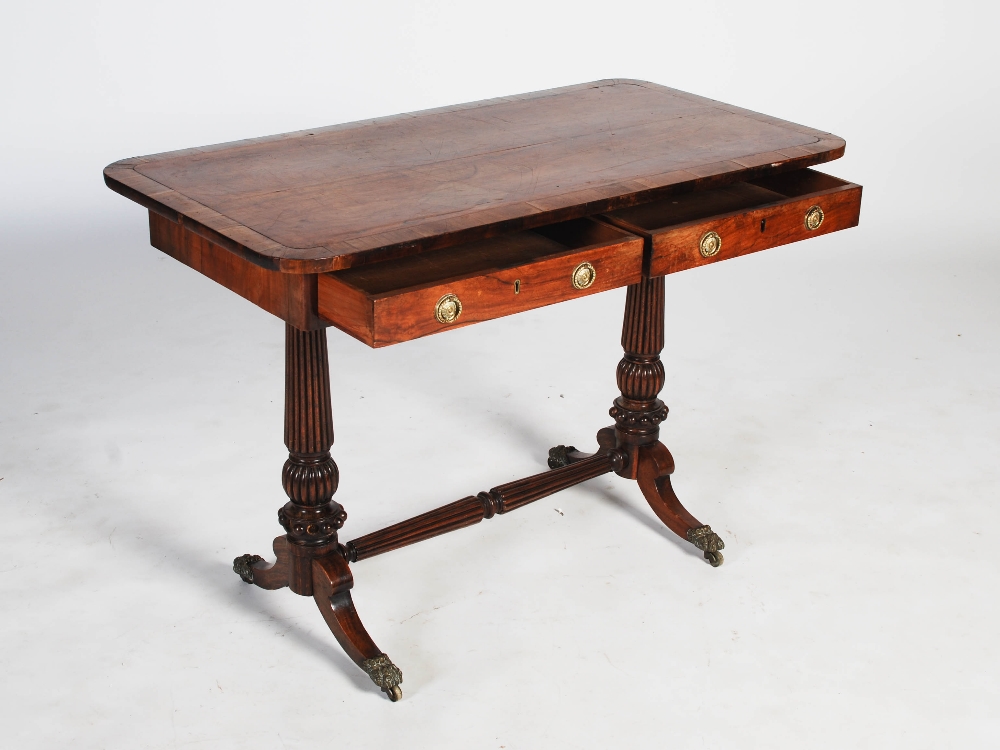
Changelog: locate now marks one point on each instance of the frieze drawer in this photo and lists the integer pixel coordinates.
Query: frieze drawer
(693, 229)
(398, 300)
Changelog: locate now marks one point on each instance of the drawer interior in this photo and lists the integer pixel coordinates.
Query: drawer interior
(740, 196)
(405, 298)
(478, 258)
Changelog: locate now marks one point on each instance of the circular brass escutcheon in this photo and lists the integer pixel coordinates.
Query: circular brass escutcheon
(710, 244)
(814, 217)
(447, 309)
(583, 276)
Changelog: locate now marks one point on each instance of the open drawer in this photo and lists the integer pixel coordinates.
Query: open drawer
(693, 229)
(398, 300)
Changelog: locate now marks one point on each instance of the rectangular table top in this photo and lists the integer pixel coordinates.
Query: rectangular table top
(334, 197)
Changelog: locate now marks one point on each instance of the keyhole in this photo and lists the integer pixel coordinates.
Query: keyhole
(763, 222)
(517, 286)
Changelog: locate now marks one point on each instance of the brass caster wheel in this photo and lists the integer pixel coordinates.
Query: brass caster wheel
(385, 674)
(714, 558)
(708, 542)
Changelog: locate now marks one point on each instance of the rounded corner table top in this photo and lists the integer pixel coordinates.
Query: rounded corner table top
(334, 197)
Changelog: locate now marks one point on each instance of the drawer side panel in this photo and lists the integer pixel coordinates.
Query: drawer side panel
(346, 307)
(291, 297)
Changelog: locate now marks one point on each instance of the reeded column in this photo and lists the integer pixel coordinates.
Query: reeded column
(310, 476)
(638, 412)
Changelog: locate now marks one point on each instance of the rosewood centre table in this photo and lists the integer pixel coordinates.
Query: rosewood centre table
(400, 227)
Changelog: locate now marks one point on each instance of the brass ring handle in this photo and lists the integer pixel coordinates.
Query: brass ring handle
(447, 309)
(814, 217)
(710, 244)
(583, 276)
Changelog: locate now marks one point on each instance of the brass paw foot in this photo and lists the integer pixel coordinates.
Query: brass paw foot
(243, 566)
(385, 674)
(708, 542)
(559, 456)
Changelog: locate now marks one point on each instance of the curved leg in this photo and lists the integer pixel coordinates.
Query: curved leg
(254, 569)
(332, 582)
(655, 467)
(309, 559)
(564, 455)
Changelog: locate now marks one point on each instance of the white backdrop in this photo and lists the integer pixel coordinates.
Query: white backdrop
(834, 406)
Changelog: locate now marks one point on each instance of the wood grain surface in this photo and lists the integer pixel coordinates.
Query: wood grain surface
(335, 197)
(387, 303)
(471, 510)
(748, 217)
(292, 297)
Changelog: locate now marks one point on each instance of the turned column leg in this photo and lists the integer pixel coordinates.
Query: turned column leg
(309, 557)
(310, 476)
(638, 413)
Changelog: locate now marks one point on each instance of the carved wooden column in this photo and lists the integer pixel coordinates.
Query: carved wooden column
(309, 559)
(638, 412)
(635, 438)
(311, 517)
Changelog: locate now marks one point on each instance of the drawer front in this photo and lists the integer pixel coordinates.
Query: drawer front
(390, 318)
(688, 245)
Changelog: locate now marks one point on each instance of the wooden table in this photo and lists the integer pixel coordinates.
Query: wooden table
(400, 227)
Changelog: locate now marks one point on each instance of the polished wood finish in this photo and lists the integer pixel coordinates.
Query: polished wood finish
(387, 303)
(390, 302)
(655, 465)
(310, 476)
(292, 297)
(748, 216)
(638, 413)
(334, 197)
(330, 583)
(309, 558)
(471, 510)
(267, 575)
(366, 226)
(640, 376)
